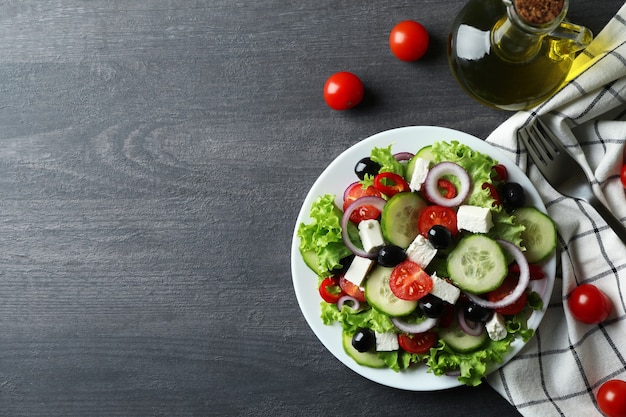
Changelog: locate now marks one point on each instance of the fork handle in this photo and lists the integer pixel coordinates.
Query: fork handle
(613, 222)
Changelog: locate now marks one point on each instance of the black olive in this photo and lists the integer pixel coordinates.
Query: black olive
(440, 236)
(391, 255)
(474, 312)
(514, 195)
(364, 340)
(345, 264)
(366, 166)
(431, 306)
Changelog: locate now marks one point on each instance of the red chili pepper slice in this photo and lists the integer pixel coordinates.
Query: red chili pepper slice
(390, 184)
(501, 174)
(494, 194)
(330, 291)
(446, 188)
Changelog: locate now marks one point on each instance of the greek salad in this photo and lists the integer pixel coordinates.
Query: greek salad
(426, 259)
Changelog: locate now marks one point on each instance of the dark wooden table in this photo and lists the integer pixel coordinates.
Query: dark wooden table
(153, 158)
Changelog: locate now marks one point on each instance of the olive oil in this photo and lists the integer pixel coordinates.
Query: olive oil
(501, 62)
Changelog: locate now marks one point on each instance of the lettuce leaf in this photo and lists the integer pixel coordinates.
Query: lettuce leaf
(351, 320)
(388, 163)
(323, 235)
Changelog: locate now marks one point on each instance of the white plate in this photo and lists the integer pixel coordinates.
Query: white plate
(333, 180)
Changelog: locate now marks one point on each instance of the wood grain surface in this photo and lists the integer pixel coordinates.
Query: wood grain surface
(154, 155)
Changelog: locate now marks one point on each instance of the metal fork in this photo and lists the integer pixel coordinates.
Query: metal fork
(563, 172)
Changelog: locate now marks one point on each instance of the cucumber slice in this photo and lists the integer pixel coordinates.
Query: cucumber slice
(460, 341)
(370, 359)
(539, 238)
(425, 153)
(477, 264)
(310, 259)
(378, 294)
(399, 218)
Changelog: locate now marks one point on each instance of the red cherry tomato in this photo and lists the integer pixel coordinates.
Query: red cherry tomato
(536, 271)
(330, 291)
(507, 287)
(390, 184)
(408, 40)
(352, 290)
(343, 90)
(588, 304)
(433, 215)
(408, 281)
(612, 398)
(365, 212)
(417, 343)
(622, 175)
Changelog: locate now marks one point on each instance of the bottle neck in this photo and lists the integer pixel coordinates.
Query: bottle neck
(517, 41)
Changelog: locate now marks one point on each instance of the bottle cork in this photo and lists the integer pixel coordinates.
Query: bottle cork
(538, 12)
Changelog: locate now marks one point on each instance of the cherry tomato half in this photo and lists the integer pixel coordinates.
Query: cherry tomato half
(408, 281)
(390, 184)
(365, 212)
(417, 343)
(408, 40)
(622, 175)
(433, 215)
(352, 290)
(330, 291)
(507, 287)
(343, 90)
(588, 304)
(612, 398)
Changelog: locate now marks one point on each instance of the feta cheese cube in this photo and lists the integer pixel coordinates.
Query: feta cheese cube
(421, 251)
(358, 270)
(386, 342)
(444, 290)
(474, 219)
(495, 327)
(371, 235)
(420, 171)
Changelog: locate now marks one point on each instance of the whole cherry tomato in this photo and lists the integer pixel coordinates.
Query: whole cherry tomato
(622, 175)
(588, 304)
(612, 398)
(408, 40)
(343, 90)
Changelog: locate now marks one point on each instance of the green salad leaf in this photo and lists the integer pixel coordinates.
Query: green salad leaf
(388, 163)
(323, 235)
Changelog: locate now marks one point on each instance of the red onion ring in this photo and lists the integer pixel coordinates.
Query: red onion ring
(377, 202)
(524, 279)
(438, 171)
(421, 327)
(403, 156)
(472, 328)
(355, 304)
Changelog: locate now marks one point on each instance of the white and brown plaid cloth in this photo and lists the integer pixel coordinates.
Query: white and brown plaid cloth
(560, 370)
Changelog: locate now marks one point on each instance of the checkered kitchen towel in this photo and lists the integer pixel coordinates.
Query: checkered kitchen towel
(561, 369)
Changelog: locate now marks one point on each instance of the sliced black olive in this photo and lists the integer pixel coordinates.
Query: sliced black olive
(364, 340)
(366, 166)
(391, 255)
